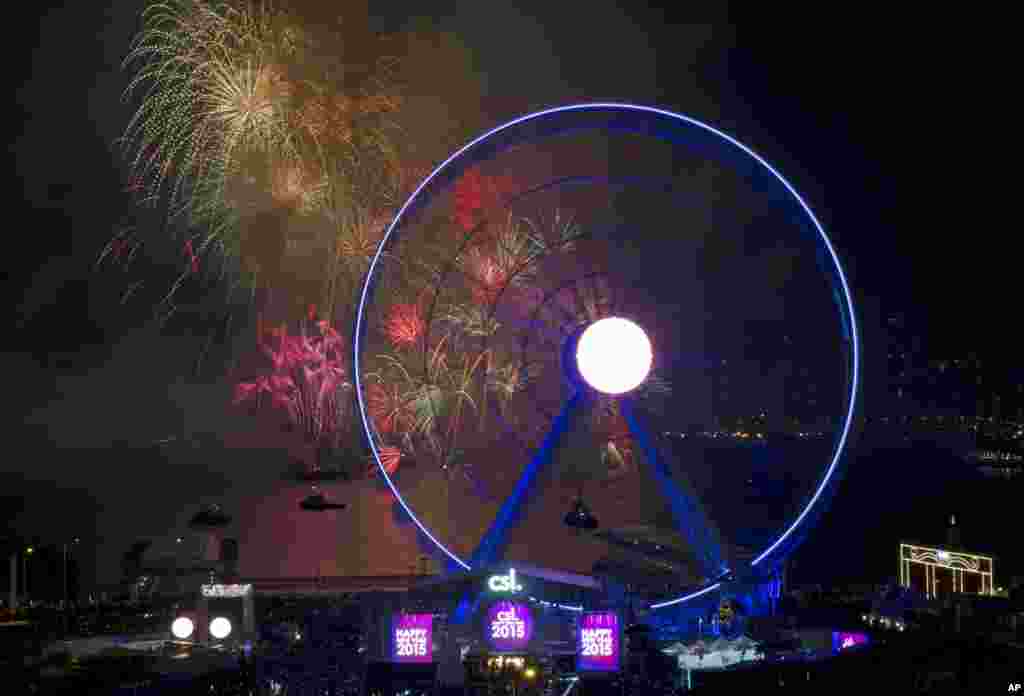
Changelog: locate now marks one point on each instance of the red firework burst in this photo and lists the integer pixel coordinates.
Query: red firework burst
(404, 324)
(476, 196)
(386, 409)
(390, 457)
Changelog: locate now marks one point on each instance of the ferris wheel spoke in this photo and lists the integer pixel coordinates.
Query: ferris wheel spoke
(492, 544)
(703, 537)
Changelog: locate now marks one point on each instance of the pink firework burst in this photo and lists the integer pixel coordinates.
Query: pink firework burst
(487, 277)
(190, 254)
(306, 381)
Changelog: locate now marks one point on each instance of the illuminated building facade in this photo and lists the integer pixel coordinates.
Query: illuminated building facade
(938, 572)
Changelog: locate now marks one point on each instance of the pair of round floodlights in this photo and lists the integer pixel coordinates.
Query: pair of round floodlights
(183, 627)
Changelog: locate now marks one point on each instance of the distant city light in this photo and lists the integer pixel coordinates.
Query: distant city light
(614, 355)
(182, 627)
(220, 628)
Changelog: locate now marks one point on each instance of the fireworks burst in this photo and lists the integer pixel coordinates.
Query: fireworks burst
(404, 324)
(476, 197)
(505, 258)
(387, 407)
(390, 457)
(296, 187)
(359, 236)
(307, 381)
(487, 276)
(239, 118)
(214, 88)
(473, 320)
(508, 380)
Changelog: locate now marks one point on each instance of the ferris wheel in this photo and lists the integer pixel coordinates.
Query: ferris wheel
(558, 299)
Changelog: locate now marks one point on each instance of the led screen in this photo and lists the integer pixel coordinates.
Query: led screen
(509, 626)
(597, 642)
(412, 638)
(843, 640)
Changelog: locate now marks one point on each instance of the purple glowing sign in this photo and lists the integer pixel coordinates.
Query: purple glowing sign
(597, 642)
(509, 626)
(843, 640)
(412, 638)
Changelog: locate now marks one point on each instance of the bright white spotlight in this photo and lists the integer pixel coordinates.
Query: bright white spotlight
(614, 355)
(220, 628)
(182, 627)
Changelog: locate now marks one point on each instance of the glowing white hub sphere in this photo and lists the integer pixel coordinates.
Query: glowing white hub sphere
(220, 628)
(182, 627)
(614, 355)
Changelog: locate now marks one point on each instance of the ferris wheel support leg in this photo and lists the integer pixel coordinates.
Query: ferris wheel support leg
(690, 519)
(492, 545)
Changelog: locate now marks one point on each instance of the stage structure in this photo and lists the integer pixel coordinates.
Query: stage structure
(939, 572)
(219, 601)
(573, 327)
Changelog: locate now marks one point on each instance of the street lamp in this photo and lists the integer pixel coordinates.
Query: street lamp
(29, 550)
(74, 541)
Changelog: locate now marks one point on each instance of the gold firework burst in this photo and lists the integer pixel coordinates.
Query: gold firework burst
(295, 186)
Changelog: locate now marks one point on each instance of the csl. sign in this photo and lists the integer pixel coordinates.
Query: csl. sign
(504, 583)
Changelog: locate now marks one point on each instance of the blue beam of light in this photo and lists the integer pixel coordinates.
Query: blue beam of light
(492, 544)
(690, 519)
(465, 608)
(489, 143)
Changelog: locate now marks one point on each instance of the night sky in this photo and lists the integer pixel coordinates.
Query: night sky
(869, 116)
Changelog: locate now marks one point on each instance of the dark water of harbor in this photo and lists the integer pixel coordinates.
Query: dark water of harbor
(892, 490)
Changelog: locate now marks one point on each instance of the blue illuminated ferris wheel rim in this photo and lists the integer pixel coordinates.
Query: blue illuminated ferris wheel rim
(844, 296)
